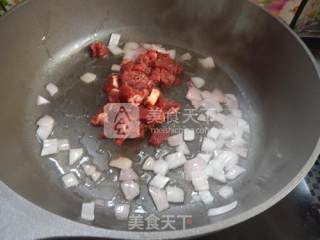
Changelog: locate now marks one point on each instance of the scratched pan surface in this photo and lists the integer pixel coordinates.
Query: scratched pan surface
(257, 58)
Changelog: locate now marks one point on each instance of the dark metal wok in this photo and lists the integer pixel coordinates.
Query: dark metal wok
(257, 56)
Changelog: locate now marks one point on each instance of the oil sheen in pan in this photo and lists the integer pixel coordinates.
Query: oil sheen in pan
(78, 101)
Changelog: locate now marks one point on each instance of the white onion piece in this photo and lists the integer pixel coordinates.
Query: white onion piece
(159, 198)
(42, 101)
(185, 57)
(226, 192)
(202, 118)
(114, 39)
(115, 67)
(130, 189)
(200, 181)
(172, 53)
(234, 172)
(157, 47)
(183, 147)
(188, 134)
(231, 101)
(211, 105)
(129, 46)
(45, 121)
(70, 180)
(43, 132)
(121, 211)
(128, 174)
(195, 197)
(88, 77)
(198, 82)
(206, 62)
(222, 210)
(206, 197)
(63, 145)
(148, 164)
(175, 160)
(87, 211)
(216, 174)
(227, 158)
(96, 176)
(205, 156)
(236, 142)
(244, 125)
(175, 194)
(194, 165)
(74, 155)
(225, 133)
(218, 95)
(121, 163)
(161, 167)
(213, 133)
(236, 113)
(175, 140)
(115, 50)
(193, 94)
(196, 104)
(208, 145)
(241, 151)
(131, 55)
(49, 147)
(159, 181)
(89, 169)
(52, 89)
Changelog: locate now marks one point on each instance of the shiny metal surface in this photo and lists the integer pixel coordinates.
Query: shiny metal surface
(272, 71)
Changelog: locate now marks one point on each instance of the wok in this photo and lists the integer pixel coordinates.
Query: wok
(257, 56)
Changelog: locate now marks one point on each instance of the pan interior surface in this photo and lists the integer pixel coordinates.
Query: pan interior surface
(269, 71)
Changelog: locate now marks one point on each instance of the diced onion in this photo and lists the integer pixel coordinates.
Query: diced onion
(115, 50)
(159, 198)
(52, 89)
(129, 46)
(206, 197)
(222, 210)
(228, 159)
(70, 180)
(130, 189)
(188, 134)
(193, 94)
(87, 211)
(42, 101)
(185, 57)
(205, 156)
(226, 192)
(172, 53)
(88, 77)
(159, 181)
(122, 211)
(161, 167)
(121, 163)
(74, 155)
(148, 164)
(96, 176)
(63, 145)
(200, 181)
(175, 140)
(175, 160)
(89, 169)
(128, 174)
(213, 133)
(49, 147)
(198, 82)
(45, 121)
(183, 147)
(207, 62)
(231, 101)
(218, 95)
(115, 67)
(44, 131)
(202, 118)
(215, 174)
(175, 194)
(114, 39)
(234, 172)
(194, 165)
(208, 145)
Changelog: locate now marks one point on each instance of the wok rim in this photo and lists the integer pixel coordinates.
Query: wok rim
(93, 231)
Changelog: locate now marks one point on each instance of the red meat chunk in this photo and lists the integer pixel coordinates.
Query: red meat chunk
(99, 50)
